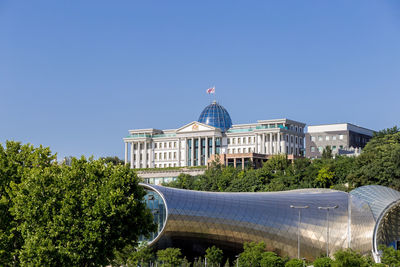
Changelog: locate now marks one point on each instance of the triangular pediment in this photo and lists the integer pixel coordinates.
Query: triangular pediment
(196, 126)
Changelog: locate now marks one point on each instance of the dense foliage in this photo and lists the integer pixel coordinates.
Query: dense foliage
(59, 215)
(379, 163)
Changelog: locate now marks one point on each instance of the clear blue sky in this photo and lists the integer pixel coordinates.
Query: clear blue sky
(77, 75)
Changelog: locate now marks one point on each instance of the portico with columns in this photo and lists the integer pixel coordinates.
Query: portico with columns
(194, 143)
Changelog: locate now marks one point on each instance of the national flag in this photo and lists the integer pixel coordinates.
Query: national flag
(211, 90)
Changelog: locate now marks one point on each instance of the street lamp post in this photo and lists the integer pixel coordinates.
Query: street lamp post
(327, 225)
(298, 227)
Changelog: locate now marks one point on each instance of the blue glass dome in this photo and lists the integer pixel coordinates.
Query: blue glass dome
(217, 116)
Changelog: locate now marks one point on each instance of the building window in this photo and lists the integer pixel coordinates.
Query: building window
(320, 149)
(319, 138)
(327, 138)
(239, 150)
(155, 155)
(233, 151)
(295, 129)
(239, 139)
(341, 147)
(229, 151)
(233, 140)
(334, 148)
(334, 137)
(287, 138)
(296, 140)
(169, 155)
(165, 155)
(229, 141)
(174, 155)
(312, 149)
(300, 130)
(174, 144)
(341, 136)
(155, 145)
(249, 140)
(291, 138)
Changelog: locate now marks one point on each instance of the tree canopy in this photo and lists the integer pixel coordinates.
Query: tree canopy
(59, 215)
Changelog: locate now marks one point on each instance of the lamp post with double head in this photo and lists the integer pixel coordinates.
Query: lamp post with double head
(327, 208)
(299, 208)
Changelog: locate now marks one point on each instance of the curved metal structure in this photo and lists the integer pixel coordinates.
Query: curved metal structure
(293, 223)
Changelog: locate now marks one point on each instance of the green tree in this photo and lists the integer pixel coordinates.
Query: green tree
(16, 161)
(270, 259)
(345, 258)
(390, 256)
(325, 177)
(113, 160)
(79, 215)
(323, 262)
(327, 153)
(132, 256)
(379, 162)
(170, 257)
(294, 263)
(252, 254)
(214, 256)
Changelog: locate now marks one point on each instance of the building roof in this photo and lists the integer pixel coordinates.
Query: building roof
(339, 127)
(217, 116)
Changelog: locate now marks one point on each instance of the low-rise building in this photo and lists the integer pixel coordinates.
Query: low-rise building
(342, 138)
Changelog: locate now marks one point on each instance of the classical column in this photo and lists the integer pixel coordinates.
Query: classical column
(126, 152)
(179, 152)
(199, 151)
(186, 152)
(131, 155)
(278, 149)
(138, 155)
(263, 137)
(206, 151)
(151, 164)
(256, 143)
(192, 153)
(213, 145)
(284, 144)
(270, 143)
(144, 157)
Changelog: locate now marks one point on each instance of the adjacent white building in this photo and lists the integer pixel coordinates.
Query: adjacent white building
(213, 133)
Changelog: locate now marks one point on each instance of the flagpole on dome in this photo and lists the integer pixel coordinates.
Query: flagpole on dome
(215, 97)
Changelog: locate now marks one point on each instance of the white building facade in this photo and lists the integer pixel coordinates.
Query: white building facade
(213, 134)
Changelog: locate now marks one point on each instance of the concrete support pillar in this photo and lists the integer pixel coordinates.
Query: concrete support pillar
(132, 155)
(234, 162)
(192, 153)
